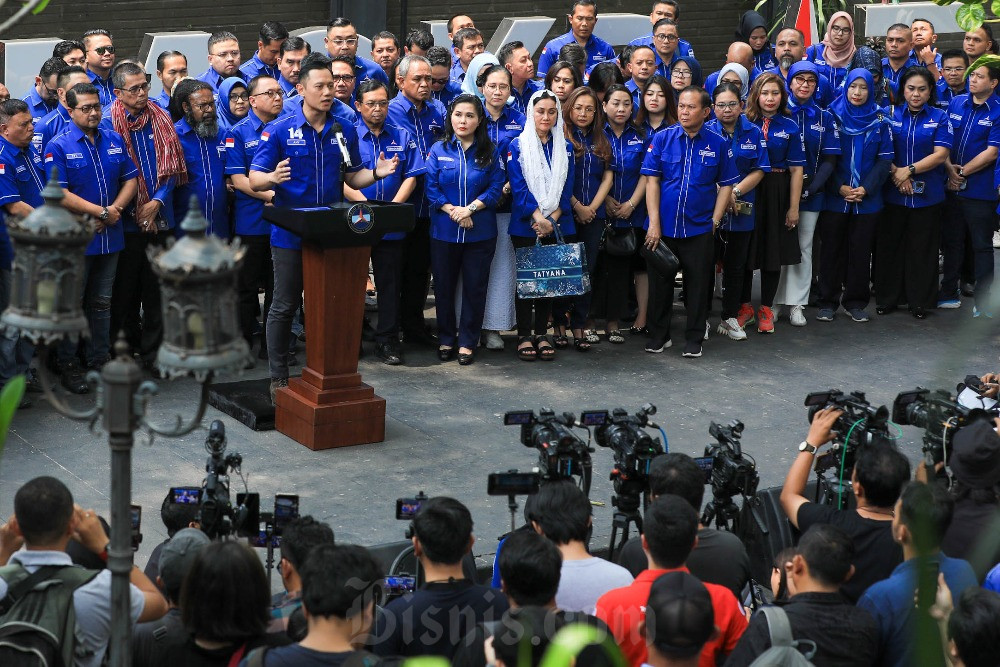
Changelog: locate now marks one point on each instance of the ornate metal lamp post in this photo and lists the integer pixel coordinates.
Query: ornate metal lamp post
(201, 337)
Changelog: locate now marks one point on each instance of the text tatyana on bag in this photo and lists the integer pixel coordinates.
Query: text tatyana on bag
(558, 269)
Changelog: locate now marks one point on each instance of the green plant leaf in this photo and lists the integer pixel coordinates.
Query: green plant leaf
(985, 59)
(970, 17)
(10, 398)
(40, 7)
(995, 7)
(760, 4)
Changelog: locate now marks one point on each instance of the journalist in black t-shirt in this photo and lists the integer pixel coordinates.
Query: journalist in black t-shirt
(879, 474)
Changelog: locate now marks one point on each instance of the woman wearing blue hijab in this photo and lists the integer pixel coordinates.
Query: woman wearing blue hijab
(233, 102)
(854, 200)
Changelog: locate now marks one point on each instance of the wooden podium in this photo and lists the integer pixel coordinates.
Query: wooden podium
(329, 406)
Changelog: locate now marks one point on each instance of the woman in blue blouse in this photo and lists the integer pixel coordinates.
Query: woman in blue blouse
(854, 200)
(909, 234)
(775, 241)
(753, 31)
(659, 107)
(540, 166)
(833, 55)
(626, 210)
(463, 183)
(233, 103)
(583, 120)
(732, 246)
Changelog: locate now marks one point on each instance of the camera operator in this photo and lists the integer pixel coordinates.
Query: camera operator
(175, 516)
(561, 512)
(879, 474)
(298, 538)
(447, 605)
(719, 557)
(339, 602)
(679, 621)
(530, 574)
(669, 533)
(975, 468)
(921, 518)
(844, 635)
(178, 553)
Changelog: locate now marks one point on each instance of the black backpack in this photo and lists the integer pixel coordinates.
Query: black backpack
(37, 617)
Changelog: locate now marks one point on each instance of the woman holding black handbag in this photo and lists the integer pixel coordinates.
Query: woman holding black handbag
(540, 167)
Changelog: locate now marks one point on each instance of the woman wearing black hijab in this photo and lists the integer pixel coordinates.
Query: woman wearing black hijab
(753, 31)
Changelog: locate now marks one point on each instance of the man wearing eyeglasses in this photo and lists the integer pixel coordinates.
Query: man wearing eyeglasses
(253, 231)
(664, 45)
(665, 10)
(42, 99)
(789, 48)
(342, 40)
(582, 19)
(342, 68)
(100, 61)
(223, 60)
(952, 83)
(56, 121)
(204, 144)
(152, 144)
(99, 179)
(443, 89)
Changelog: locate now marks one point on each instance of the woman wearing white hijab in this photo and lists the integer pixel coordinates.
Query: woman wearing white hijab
(740, 71)
(478, 64)
(540, 167)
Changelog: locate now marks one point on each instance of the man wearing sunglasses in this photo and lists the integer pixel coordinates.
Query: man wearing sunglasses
(223, 60)
(151, 142)
(100, 61)
(43, 99)
(56, 121)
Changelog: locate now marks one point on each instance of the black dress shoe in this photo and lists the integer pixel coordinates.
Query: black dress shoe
(885, 310)
(367, 331)
(447, 353)
(919, 313)
(421, 337)
(73, 378)
(389, 354)
(466, 358)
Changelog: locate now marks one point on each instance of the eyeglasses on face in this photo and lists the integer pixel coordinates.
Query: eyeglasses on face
(273, 94)
(343, 78)
(136, 89)
(88, 108)
(233, 97)
(350, 41)
(203, 106)
(726, 106)
(666, 38)
(838, 30)
(235, 55)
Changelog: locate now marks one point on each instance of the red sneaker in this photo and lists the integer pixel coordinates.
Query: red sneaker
(745, 315)
(765, 320)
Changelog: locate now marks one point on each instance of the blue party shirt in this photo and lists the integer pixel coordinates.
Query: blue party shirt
(521, 98)
(425, 127)
(784, 142)
(206, 163)
(454, 177)
(835, 75)
(858, 154)
(976, 126)
(914, 137)
(105, 88)
(523, 203)
(20, 181)
(750, 150)
(598, 51)
(214, 79)
(255, 67)
(241, 146)
(392, 142)
(37, 107)
(589, 172)
(820, 138)
(627, 153)
(51, 125)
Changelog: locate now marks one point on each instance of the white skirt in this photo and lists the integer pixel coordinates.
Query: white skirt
(500, 292)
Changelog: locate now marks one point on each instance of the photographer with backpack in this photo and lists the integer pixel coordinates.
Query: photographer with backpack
(78, 608)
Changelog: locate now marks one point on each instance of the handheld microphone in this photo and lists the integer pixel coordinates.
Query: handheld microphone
(338, 133)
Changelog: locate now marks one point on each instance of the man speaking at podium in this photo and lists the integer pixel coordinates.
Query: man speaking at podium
(299, 157)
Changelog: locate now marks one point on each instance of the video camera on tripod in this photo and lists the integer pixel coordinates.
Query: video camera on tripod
(731, 473)
(216, 514)
(940, 415)
(562, 454)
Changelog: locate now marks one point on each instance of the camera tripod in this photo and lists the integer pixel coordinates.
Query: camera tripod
(723, 510)
(626, 512)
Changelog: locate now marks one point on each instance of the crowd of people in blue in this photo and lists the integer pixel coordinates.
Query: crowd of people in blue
(842, 177)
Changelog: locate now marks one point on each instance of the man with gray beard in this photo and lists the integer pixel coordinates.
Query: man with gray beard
(789, 48)
(204, 144)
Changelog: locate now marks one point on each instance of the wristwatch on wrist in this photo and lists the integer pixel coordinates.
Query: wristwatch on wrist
(804, 446)
(913, 169)
(961, 172)
(473, 208)
(737, 192)
(104, 213)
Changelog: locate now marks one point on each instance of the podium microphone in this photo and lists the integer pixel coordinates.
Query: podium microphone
(338, 133)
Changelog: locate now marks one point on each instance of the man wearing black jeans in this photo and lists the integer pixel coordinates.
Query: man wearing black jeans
(690, 173)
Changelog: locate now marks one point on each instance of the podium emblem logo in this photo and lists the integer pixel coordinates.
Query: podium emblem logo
(361, 218)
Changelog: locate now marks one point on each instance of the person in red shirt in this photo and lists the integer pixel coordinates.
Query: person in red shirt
(670, 529)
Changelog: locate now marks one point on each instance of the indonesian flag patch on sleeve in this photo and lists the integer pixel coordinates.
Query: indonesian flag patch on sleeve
(48, 157)
(230, 142)
(3, 168)
(265, 136)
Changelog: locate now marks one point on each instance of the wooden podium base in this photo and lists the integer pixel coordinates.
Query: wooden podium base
(323, 419)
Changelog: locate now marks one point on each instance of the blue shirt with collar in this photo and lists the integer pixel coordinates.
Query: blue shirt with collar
(824, 91)
(914, 137)
(504, 129)
(633, 88)
(206, 163)
(51, 125)
(37, 107)
(163, 100)
(750, 150)
(945, 94)
(342, 111)
(425, 127)
(365, 69)
(684, 48)
(977, 126)
(521, 99)
(214, 79)
(892, 75)
(457, 73)
(255, 66)
(835, 75)
(145, 152)
(649, 131)
(712, 80)
(858, 155)
(598, 51)
(241, 146)
(95, 172)
(105, 88)
(765, 60)
(20, 181)
(315, 162)
(589, 171)
(627, 153)
(453, 177)
(820, 138)
(450, 91)
(689, 170)
(784, 143)
(890, 602)
(287, 87)
(393, 142)
(523, 203)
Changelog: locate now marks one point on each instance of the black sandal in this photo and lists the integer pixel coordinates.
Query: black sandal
(561, 341)
(529, 353)
(581, 344)
(545, 350)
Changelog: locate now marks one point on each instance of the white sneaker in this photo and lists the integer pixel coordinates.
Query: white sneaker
(797, 316)
(493, 341)
(732, 329)
(776, 309)
(708, 328)
(996, 239)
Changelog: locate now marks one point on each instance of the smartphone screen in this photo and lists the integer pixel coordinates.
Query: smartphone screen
(286, 508)
(135, 517)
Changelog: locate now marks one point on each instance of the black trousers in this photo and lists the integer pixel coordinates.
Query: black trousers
(387, 265)
(255, 273)
(471, 261)
(611, 282)
(906, 252)
(695, 255)
(416, 276)
(956, 248)
(732, 249)
(532, 315)
(846, 258)
(136, 286)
